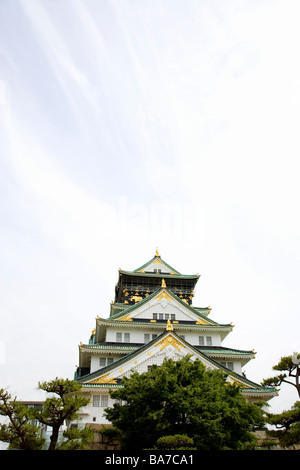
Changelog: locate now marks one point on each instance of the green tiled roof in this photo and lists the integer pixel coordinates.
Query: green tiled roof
(162, 275)
(151, 261)
(257, 391)
(146, 299)
(153, 341)
(219, 351)
(110, 346)
(163, 324)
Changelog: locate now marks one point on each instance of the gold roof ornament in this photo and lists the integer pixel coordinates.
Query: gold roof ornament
(169, 325)
(156, 252)
(163, 283)
(170, 341)
(105, 379)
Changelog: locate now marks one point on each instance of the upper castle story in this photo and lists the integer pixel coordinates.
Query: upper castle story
(134, 286)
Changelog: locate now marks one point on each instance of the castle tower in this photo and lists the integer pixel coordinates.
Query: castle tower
(153, 318)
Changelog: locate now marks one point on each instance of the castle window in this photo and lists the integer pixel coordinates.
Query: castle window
(229, 365)
(146, 338)
(119, 337)
(154, 316)
(105, 361)
(205, 340)
(104, 401)
(100, 400)
(96, 400)
(102, 361)
(127, 337)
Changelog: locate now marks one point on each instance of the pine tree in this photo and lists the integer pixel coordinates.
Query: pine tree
(183, 397)
(57, 410)
(290, 365)
(19, 431)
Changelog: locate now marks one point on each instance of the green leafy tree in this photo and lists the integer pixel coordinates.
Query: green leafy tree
(287, 424)
(60, 408)
(76, 439)
(290, 365)
(183, 397)
(176, 442)
(19, 432)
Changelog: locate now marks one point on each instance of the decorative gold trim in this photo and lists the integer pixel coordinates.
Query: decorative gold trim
(126, 318)
(136, 298)
(169, 326)
(201, 322)
(163, 283)
(232, 381)
(170, 340)
(104, 380)
(164, 295)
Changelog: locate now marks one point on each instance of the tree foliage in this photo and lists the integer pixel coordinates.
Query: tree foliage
(176, 442)
(183, 397)
(290, 365)
(60, 408)
(287, 424)
(19, 432)
(76, 439)
(23, 435)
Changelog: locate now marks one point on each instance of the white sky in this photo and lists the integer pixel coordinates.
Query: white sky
(127, 125)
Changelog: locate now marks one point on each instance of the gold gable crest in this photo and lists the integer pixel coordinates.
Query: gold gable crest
(104, 380)
(164, 295)
(170, 341)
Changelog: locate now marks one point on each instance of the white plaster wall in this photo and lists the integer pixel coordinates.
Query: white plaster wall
(237, 367)
(157, 264)
(95, 360)
(137, 334)
(95, 414)
(166, 307)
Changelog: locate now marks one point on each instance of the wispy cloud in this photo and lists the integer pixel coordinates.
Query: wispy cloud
(73, 79)
(124, 121)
